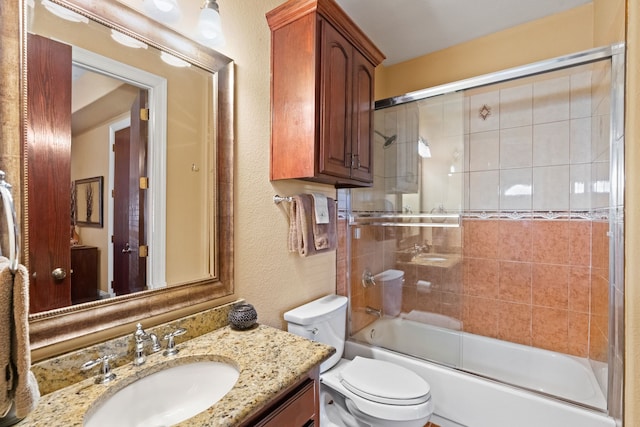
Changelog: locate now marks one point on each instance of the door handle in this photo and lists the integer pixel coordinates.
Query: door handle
(58, 273)
(127, 249)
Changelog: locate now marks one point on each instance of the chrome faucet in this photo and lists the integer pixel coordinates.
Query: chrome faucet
(418, 249)
(373, 311)
(140, 336)
(105, 371)
(171, 344)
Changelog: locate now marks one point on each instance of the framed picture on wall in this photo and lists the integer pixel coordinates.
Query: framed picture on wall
(88, 199)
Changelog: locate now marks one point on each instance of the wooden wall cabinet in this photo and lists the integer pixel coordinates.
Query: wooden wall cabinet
(322, 95)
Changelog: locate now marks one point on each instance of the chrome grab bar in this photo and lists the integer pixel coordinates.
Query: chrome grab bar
(10, 212)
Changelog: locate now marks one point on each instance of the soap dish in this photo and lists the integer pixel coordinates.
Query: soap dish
(243, 316)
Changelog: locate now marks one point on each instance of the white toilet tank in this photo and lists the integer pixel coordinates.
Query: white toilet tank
(323, 320)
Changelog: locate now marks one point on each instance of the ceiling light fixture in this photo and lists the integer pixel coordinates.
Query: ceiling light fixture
(423, 148)
(64, 13)
(174, 60)
(166, 11)
(209, 29)
(126, 40)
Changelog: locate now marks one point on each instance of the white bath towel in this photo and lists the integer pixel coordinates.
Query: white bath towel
(18, 385)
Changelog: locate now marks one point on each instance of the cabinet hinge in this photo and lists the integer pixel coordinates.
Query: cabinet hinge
(144, 114)
(144, 182)
(143, 251)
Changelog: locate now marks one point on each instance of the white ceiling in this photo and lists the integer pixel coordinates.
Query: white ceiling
(406, 29)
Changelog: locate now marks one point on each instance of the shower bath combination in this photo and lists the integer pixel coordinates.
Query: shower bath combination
(510, 193)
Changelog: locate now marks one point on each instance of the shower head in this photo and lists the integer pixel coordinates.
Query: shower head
(388, 140)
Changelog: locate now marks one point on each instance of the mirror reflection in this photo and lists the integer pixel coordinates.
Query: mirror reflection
(116, 133)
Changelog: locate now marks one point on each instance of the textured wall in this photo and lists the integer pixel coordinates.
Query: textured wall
(267, 275)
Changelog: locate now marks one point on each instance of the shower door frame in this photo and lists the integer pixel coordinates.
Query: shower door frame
(616, 54)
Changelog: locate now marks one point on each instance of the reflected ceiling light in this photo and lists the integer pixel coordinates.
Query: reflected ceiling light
(64, 13)
(209, 29)
(173, 60)
(518, 190)
(166, 11)
(126, 40)
(423, 148)
(456, 156)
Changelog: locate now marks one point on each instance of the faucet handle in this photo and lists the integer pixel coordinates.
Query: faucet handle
(155, 343)
(105, 373)
(171, 345)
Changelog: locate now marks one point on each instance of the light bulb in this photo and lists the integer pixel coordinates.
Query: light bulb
(209, 29)
(166, 11)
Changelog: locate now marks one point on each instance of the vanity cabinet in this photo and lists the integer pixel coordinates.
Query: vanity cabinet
(322, 95)
(296, 406)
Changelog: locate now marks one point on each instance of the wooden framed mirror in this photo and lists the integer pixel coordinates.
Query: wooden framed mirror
(73, 321)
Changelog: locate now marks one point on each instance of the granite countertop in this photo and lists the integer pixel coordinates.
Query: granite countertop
(268, 359)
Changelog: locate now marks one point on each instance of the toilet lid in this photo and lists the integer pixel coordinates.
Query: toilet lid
(384, 382)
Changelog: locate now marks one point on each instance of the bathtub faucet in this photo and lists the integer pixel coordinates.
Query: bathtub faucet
(373, 311)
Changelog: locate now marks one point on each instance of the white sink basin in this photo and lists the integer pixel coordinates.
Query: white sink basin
(166, 397)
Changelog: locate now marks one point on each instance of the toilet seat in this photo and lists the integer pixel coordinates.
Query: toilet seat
(384, 382)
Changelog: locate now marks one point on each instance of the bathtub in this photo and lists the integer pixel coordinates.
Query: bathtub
(466, 397)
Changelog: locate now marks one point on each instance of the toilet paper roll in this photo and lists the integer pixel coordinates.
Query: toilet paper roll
(423, 286)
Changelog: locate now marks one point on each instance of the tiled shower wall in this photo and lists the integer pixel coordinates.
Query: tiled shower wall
(542, 283)
(533, 282)
(533, 246)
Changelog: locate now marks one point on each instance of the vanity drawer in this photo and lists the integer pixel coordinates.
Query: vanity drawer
(297, 410)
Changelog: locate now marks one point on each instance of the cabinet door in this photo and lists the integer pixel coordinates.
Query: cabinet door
(335, 103)
(363, 104)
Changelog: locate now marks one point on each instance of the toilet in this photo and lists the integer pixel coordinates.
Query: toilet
(359, 392)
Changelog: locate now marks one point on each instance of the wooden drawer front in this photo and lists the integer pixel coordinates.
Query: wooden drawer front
(296, 411)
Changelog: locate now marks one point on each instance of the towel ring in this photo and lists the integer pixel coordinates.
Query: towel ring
(10, 212)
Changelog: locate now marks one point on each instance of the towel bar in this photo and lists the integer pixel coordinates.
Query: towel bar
(279, 199)
(12, 228)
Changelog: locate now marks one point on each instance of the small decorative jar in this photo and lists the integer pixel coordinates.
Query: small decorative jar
(243, 316)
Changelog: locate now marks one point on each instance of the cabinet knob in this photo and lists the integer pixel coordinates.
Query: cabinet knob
(58, 273)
